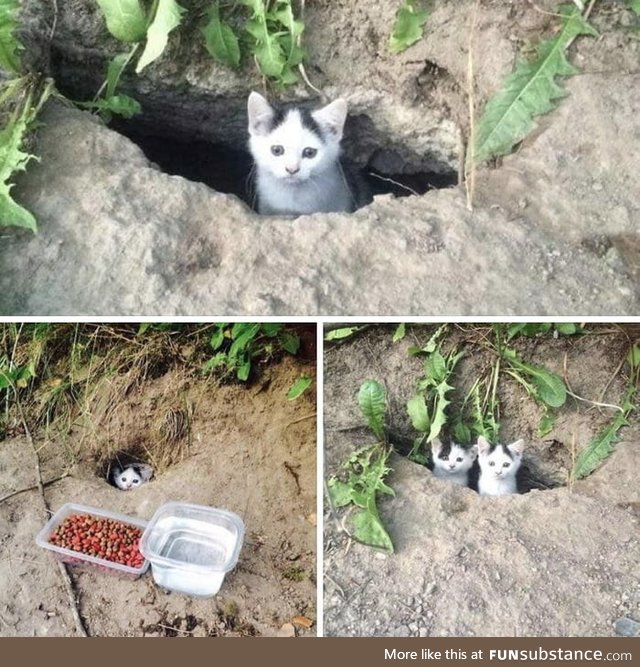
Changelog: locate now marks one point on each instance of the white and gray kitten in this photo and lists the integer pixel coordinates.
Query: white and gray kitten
(452, 461)
(297, 158)
(131, 476)
(499, 465)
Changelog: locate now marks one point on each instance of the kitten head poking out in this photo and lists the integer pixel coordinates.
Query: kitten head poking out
(296, 154)
(130, 476)
(499, 465)
(453, 462)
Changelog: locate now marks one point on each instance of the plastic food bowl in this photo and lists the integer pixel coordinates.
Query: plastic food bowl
(75, 557)
(192, 547)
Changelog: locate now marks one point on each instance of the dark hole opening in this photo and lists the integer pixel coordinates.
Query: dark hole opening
(228, 170)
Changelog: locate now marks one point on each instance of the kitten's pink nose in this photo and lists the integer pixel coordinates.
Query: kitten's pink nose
(293, 170)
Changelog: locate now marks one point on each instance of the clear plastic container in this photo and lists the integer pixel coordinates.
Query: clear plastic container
(192, 547)
(75, 557)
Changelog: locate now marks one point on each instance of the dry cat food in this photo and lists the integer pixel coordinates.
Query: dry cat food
(109, 539)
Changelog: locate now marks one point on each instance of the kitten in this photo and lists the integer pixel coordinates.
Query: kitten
(453, 462)
(297, 158)
(128, 477)
(499, 466)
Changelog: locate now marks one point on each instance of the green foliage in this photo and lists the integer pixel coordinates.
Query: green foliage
(299, 387)
(545, 386)
(220, 40)
(427, 410)
(167, 17)
(541, 328)
(601, 447)
(372, 399)
(10, 47)
(274, 36)
(126, 19)
(400, 332)
(237, 345)
(408, 26)
(367, 471)
(342, 333)
(634, 6)
(531, 90)
(21, 93)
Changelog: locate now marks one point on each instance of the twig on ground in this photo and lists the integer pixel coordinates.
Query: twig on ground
(66, 577)
(390, 180)
(571, 393)
(470, 180)
(34, 486)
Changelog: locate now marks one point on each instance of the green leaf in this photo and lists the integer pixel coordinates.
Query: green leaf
(243, 370)
(168, 16)
(341, 493)
(634, 5)
(125, 19)
(114, 72)
(567, 328)
(400, 332)
(299, 387)
(13, 160)
(439, 418)
(122, 105)
(372, 402)
(266, 48)
(217, 339)
(601, 447)
(408, 26)
(530, 91)
(242, 337)
(271, 330)
(290, 343)
(547, 422)
(418, 413)
(633, 358)
(369, 529)
(220, 40)
(217, 360)
(9, 45)
(436, 367)
(339, 334)
(550, 387)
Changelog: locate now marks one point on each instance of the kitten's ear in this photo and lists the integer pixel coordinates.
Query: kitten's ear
(436, 446)
(483, 445)
(332, 117)
(260, 114)
(517, 447)
(145, 471)
(473, 452)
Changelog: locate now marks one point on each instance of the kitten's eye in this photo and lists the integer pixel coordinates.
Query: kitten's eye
(506, 464)
(277, 150)
(444, 458)
(309, 152)
(123, 479)
(136, 481)
(459, 459)
(492, 463)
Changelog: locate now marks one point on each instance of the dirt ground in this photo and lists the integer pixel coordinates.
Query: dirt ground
(557, 562)
(250, 451)
(558, 218)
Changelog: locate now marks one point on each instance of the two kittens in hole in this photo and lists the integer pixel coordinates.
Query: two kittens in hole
(492, 470)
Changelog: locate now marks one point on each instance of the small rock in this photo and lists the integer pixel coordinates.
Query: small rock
(423, 632)
(627, 627)
(287, 630)
(431, 588)
(381, 556)
(199, 631)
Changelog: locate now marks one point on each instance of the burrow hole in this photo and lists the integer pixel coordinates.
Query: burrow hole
(226, 167)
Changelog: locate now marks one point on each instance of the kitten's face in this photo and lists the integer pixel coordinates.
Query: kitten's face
(452, 459)
(128, 479)
(499, 461)
(294, 145)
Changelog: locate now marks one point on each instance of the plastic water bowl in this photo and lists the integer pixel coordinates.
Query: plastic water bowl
(192, 547)
(77, 558)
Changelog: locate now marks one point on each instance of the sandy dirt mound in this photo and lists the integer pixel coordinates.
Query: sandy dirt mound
(554, 229)
(557, 562)
(251, 451)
